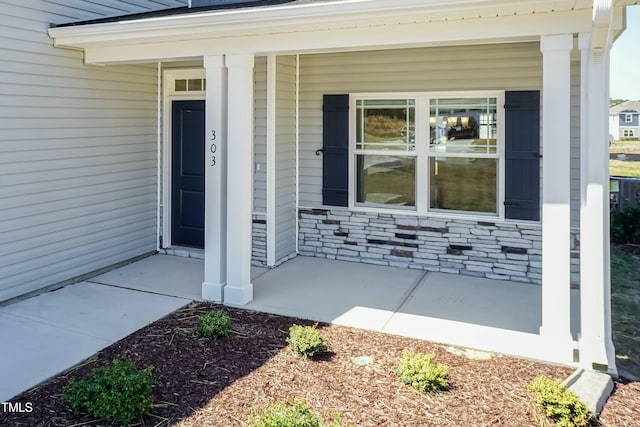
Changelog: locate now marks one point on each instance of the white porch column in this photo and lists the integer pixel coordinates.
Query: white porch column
(215, 222)
(239, 289)
(556, 272)
(596, 345)
(271, 160)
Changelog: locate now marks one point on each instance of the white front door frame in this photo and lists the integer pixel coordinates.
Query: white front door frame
(169, 94)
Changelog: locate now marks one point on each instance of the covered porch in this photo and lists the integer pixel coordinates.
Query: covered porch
(267, 71)
(478, 313)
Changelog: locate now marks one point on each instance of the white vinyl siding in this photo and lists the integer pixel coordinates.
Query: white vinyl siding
(260, 136)
(285, 150)
(514, 66)
(78, 151)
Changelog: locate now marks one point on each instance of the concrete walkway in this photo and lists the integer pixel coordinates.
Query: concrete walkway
(47, 334)
(485, 314)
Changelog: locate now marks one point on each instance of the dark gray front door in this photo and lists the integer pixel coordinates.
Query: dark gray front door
(187, 173)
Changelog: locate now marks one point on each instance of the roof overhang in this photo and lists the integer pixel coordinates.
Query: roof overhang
(307, 27)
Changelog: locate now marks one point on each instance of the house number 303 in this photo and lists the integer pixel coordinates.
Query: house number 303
(213, 148)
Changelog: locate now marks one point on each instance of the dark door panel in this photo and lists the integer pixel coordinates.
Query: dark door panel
(187, 173)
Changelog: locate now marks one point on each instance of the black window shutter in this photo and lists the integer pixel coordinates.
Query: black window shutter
(522, 155)
(335, 156)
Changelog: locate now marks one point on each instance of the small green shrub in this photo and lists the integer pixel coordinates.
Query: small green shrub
(306, 340)
(214, 324)
(291, 414)
(420, 372)
(625, 226)
(287, 414)
(117, 392)
(561, 405)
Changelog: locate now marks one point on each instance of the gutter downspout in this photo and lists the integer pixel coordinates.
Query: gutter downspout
(596, 344)
(297, 131)
(159, 158)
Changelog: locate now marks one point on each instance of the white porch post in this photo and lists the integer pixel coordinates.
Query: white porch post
(556, 274)
(271, 160)
(239, 289)
(215, 221)
(596, 345)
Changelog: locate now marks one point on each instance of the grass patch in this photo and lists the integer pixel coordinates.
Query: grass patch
(625, 310)
(625, 147)
(624, 168)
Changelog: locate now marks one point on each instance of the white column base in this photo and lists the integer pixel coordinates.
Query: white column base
(238, 295)
(559, 347)
(213, 291)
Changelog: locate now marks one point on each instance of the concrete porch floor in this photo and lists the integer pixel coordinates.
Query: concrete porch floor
(51, 332)
(491, 315)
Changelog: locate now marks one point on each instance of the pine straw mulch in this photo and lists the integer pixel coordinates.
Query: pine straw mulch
(217, 382)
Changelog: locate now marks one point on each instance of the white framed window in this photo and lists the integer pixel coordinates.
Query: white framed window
(628, 117)
(428, 152)
(185, 82)
(384, 148)
(629, 133)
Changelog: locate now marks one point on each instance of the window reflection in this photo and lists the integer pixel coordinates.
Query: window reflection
(387, 124)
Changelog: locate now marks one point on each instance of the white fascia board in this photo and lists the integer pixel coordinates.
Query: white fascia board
(469, 31)
(603, 12)
(261, 20)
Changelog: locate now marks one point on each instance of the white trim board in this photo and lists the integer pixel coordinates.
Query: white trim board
(169, 95)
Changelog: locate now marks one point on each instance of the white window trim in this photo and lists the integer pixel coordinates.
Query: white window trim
(421, 153)
(628, 117)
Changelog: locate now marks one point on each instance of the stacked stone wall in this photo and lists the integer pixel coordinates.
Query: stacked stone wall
(259, 241)
(494, 250)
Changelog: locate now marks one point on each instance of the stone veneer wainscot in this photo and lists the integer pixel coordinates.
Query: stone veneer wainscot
(259, 241)
(495, 250)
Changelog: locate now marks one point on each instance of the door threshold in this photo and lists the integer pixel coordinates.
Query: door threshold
(183, 251)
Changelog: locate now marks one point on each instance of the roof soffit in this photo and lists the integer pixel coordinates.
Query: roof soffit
(305, 17)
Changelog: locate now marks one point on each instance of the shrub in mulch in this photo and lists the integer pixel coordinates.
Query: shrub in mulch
(422, 373)
(306, 341)
(559, 404)
(117, 392)
(218, 382)
(214, 324)
(291, 414)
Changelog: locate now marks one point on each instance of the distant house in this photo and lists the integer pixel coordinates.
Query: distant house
(624, 120)
(461, 137)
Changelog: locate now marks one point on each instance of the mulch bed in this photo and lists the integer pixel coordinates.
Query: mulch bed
(217, 382)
